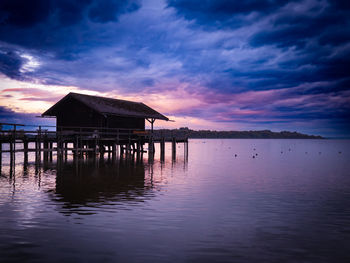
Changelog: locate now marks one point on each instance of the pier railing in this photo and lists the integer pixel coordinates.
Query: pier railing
(20, 131)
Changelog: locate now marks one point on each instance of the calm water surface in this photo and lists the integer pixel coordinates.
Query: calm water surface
(291, 203)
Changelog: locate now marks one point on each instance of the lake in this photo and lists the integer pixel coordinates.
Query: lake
(226, 201)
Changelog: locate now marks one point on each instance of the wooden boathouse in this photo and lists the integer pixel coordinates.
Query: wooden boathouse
(83, 111)
(90, 125)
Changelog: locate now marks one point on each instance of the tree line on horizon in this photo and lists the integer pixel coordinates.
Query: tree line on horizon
(213, 134)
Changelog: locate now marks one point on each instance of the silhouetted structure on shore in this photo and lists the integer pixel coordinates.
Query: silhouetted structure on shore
(90, 125)
(80, 110)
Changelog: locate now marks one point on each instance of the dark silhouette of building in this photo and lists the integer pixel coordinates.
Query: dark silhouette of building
(80, 110)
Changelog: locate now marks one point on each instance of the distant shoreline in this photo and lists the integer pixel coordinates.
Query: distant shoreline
(266, 138)
(208, 134)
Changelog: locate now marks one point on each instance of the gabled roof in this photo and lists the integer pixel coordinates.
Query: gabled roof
(108, 106)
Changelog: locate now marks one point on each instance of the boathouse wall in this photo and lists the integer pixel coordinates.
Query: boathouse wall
(73, 113)
(125, 122)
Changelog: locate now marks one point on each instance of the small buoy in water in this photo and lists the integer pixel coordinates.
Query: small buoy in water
(253, 156)
(235, 155)
(305, 152)
(281, 152)
(339, 152)
(256, 154)
(289, 149)
(254, 149)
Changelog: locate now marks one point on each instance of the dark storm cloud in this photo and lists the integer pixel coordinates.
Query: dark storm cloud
(313, 33)
(224, 6)
(328, 25)
(108, 10)
(51, 24)
(10, 63)
(224, 13)
(59, 29)
(23, 13)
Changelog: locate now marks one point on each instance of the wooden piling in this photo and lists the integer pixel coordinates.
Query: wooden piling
(0, 156)
(11, 147)
(14, 139)
(95, 146)
(109, 152)
(37, 154)
(102, 150)
(121, 150)
(25, 146)
(25, 157)
(12, 162)
(46, 151)
(150, 149)
(0, 150)
(25, 163)
(58, 148)
(151, 145)
(162, 149)
(65, 150)
(13, 150)
(138, 151)
(173, 148)
(39, 139)
(76, 146)
(51, 151)
(114, 151)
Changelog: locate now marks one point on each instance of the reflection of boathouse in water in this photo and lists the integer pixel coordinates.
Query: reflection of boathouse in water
(79, 183)
(98, 183)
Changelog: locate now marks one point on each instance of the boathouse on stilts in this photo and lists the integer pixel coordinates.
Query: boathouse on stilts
(91, 125)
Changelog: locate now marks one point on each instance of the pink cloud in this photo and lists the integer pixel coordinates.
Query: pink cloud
(28, 91)
(49, 99)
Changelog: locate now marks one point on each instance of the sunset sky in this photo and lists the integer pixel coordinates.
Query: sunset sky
(219, 64)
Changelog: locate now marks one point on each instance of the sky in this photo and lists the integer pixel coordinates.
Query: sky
(206, 64)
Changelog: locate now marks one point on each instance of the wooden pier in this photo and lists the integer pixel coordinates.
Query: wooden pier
(80, 141)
